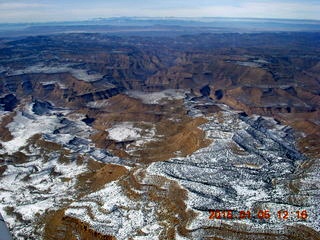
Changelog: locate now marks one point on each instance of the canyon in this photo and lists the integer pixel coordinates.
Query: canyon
(111, 136)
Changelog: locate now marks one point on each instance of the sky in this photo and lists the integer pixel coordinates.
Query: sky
(68, 10)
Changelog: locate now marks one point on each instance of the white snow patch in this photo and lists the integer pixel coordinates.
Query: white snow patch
(25, 126)
(81, 74)
(124, 131)
(98, 104)
(61, 85)
(251, 195)
(157, 97)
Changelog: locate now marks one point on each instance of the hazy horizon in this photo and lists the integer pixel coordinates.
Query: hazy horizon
(37, 11)
(169, 18)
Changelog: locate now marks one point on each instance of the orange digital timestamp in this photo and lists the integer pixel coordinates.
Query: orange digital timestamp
(284, 214)
(260, 214)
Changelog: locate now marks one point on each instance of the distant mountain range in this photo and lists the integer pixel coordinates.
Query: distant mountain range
(146, 24)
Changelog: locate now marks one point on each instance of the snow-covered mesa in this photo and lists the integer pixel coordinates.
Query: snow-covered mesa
(127, 131)
(26, 124)
(81, 74)
(157, 97)
(124, 131)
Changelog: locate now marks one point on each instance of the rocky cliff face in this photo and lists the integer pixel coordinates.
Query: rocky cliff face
(274, 78)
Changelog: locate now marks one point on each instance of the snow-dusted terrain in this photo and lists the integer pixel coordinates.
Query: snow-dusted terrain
(255, 178)
(45, 179)
(117, 215)
(25, 125)
(249, 165)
